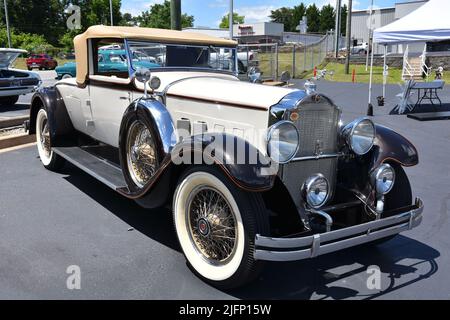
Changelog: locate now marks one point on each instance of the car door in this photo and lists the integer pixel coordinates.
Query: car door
(109, 100)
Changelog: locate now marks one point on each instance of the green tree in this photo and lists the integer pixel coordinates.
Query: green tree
(128, 20)
(33, 43)
(313, 15)
(327, 19)
(297, 15)
(237, 19)
(285, 16)
(159, 17)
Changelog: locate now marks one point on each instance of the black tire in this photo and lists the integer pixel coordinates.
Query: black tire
(400, 196)
(29, 68)
(41, 68)
(253, 214)
(50, 160)
(9, 101)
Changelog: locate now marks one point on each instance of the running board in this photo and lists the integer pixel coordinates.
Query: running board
(101, 169)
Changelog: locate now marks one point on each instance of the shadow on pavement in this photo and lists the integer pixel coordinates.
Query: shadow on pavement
(155, 224)
(402, 258)
(424, 108)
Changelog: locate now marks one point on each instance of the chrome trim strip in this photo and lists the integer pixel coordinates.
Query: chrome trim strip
(338, 239)
(321, 156)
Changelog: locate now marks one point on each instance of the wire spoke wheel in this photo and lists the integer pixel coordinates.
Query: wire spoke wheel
(44, 137)
(141, 154)
(212, 225)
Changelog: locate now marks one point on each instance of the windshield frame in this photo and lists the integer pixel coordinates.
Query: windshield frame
(233, 49)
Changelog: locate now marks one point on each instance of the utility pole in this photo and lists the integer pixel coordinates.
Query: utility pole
(231, 19)
(8, 31)
(370, 36)
(175, 14)
(111, 11)
(337, 28)
(348, 36)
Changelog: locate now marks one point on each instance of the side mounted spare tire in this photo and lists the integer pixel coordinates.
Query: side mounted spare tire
(140, 147)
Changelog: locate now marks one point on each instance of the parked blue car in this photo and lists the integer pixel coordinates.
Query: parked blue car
(108, 61)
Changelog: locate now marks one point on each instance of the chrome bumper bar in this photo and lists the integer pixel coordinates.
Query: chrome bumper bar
(293, 249)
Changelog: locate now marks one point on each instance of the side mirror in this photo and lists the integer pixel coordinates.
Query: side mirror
(254, 75)
(143, 75)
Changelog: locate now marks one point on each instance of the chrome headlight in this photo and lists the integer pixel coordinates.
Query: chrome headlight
(315, 191)
(383, 178)
(283, 141)
(360, 135)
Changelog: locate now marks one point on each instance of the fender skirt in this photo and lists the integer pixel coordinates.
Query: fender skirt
(390, 146)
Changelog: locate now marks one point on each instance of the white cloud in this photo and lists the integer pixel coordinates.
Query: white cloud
(137, 6)
(256, 13)
(219, 4)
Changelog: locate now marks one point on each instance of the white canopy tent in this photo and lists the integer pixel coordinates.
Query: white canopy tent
(430, 22)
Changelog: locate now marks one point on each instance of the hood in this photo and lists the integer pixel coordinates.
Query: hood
(8, 56)
(229, 91)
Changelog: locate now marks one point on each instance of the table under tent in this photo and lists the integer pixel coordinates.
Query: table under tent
(428, 23)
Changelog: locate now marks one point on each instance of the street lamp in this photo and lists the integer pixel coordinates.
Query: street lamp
(8, 31)
(231, 19)
(110, 10)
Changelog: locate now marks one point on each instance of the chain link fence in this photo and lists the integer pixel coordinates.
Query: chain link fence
(273, 59)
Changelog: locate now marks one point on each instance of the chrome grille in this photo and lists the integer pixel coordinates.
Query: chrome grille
(318, 121)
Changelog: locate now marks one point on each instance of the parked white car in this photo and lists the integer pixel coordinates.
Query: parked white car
(252, 173)
(14, 82)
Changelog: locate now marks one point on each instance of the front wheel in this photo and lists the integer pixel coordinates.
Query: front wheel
(216, 224)
(49, 159)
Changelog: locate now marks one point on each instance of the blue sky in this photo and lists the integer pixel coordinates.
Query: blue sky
(209, 13)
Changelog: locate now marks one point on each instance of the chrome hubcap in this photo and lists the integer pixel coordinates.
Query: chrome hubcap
(212, 225)
(141, 154)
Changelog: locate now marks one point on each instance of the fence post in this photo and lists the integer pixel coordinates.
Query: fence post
(304, 58)
(293, 61)
(312, 57)
(276, 61)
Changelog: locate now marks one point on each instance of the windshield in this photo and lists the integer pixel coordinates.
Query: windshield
(181, 56)
(7, 58)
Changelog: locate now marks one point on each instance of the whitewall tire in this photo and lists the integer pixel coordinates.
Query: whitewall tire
(216, 226)
(49, 159)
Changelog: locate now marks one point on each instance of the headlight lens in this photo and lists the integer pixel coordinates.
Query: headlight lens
(316, 191)
(383, 179)
(283, 141)
(360, 135)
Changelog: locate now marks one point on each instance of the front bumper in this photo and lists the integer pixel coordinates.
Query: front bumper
(293, 249)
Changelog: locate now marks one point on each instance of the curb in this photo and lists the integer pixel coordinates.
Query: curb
(16, 140)
(13, 122)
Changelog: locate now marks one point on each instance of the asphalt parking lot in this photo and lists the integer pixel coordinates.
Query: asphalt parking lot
(51, 221)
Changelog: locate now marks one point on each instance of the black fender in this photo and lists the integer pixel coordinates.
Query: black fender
(390, 146)
(58, 117)
(256, 177)
(250, 170)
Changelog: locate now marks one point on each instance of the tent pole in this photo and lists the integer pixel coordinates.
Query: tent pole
(384, 72)
(370, 106)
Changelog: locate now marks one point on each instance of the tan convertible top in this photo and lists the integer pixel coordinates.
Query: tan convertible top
(157, 35)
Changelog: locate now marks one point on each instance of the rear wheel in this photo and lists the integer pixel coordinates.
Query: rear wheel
(66, 76)
(49, 159)
(8, 101)
(216, 226)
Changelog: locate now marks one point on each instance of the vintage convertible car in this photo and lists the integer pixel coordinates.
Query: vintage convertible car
(252, 173)
(13, 82)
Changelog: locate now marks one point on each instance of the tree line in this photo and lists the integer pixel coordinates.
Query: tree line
(38, 25)
(319, 20)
